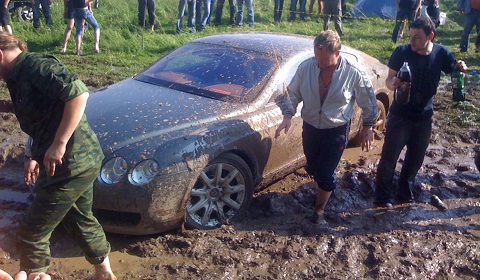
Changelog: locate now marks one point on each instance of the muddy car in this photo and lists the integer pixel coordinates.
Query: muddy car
(191, 138)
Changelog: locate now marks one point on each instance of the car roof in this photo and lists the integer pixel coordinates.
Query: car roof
(274, 44)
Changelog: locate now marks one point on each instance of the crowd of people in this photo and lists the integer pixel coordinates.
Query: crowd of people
(79, 13)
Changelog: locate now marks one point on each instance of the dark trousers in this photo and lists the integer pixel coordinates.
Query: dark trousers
(219, 10)
(323, 150)
(46, 13)
(402, 15)
(146, 4)
(401, 132)
(302, 10)
(277, 10)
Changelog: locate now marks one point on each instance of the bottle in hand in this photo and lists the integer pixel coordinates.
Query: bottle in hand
(402, 93)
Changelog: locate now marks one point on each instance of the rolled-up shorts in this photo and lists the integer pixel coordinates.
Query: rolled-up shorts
(5, 16)
(69, 14)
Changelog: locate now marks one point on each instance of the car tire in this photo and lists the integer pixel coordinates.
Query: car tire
(381, 122)
(25, 13)
(222, 193)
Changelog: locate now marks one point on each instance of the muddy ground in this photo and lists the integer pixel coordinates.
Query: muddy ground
(277, 239)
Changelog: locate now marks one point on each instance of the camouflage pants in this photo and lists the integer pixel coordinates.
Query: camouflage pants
(67, 200)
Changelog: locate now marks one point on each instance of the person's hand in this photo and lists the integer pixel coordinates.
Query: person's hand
(461, 66)
(285, 124)
(53, 158)
(367, 138)
(22, 275)
(396, 82)
(35, 276)
(5, 276)
(30, 171)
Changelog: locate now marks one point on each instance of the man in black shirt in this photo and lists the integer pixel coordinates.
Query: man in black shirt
(411, 124)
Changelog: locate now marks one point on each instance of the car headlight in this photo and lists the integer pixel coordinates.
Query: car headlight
(113, 171)
(144, 172)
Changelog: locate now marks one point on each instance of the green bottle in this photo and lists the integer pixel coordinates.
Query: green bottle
(458, 84)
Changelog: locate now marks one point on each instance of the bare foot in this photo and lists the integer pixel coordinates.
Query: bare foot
(103, 271)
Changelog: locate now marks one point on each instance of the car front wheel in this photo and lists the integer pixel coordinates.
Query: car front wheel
(222, 193)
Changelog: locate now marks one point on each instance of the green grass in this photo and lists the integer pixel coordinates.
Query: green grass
(127, 49)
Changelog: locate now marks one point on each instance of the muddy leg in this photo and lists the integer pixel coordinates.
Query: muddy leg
(320, 203)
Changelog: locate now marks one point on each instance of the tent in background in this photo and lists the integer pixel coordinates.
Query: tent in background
(370, 8)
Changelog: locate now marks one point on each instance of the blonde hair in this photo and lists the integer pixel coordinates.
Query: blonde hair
(10, 42)
(328, 40)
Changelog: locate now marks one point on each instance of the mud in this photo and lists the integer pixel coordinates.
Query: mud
(419, 240)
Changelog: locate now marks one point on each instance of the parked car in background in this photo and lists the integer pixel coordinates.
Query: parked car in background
(22, 9)
(191, 138)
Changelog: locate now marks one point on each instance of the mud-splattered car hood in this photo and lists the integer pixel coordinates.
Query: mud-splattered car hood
(132, 111)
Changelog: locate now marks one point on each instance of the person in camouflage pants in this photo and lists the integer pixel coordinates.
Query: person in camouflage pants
(49, 103)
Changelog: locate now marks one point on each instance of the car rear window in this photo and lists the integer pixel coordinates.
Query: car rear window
(210, 70)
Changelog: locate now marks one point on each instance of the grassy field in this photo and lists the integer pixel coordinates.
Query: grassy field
(127, 49)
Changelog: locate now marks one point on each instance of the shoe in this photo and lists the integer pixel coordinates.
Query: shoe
(98, 51)
(79, 53)
(62, 52)
(319, 219)
(387, 205)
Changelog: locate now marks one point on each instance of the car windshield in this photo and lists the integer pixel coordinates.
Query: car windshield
(213, 71)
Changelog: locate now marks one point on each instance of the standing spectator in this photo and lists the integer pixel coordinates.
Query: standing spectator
(212, 11)
(202, 20)
(150, 6)
(277, 10)
(411, 124)
(406, 11)
(81, 13)
(46, 12)
(330, 84)
(5, 17)
(182, 4)
(471, 16)
(251, 16)
(344, 7)
(68, 16)
(49, 104)
(219, 11)
(310, 8)
(332, 8)
(293, 9)
(431, 8)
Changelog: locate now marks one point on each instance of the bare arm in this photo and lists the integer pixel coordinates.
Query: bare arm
(72, 114)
